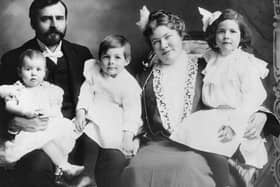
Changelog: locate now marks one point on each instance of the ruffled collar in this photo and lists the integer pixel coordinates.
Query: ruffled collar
(238, 59)
(20, 85)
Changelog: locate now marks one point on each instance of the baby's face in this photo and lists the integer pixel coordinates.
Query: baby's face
(113, 61)
(33, 71)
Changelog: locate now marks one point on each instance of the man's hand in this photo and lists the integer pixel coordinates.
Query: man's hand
(30, 125)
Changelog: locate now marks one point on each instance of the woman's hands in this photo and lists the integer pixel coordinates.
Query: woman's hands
(80, 120)
(255, 125)
(129, 146)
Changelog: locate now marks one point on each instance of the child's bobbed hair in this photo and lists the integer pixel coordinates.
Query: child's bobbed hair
(115, 41)
(229, 14)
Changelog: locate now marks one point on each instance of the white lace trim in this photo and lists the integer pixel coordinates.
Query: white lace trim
(189, 93)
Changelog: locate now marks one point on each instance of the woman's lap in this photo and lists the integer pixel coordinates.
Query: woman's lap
(164, 164)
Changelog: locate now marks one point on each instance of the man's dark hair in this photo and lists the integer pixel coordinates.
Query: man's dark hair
(37, 5)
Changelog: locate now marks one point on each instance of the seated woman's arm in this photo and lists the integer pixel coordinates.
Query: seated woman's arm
(271, 126)
(263, 123)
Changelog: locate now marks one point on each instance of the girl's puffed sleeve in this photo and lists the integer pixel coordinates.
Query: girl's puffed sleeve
(254, 93)
(7, 91)
(11, 92)
(132, 107)
(87, 88)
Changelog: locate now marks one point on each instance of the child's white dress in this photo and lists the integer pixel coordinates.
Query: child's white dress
(113, 105)
(233, 81)
(49, 98)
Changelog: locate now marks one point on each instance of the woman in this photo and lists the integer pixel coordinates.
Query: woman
(171, 91)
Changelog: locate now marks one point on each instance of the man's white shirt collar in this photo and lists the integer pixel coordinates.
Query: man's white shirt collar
(48, 53)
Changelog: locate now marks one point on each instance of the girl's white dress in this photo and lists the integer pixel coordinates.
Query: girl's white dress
(49, 98)
(232, 87)
(113, 105)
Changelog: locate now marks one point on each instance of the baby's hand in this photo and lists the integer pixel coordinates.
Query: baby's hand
(80, 120)
(35, 113)
(42, 114)
(225, 134)
(30, 114)
(128, 146)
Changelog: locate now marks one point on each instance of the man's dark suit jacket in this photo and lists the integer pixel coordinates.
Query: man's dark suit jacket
(75, 55)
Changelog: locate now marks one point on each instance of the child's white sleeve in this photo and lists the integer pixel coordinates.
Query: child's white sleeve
(86, 94)
(132, 108)
(87, 88)
(7, 91)
(254, 93)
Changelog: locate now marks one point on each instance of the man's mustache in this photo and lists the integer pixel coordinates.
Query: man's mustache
(53, 30)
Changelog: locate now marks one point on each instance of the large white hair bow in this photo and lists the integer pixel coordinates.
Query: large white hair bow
(144, 17)
(208, 17)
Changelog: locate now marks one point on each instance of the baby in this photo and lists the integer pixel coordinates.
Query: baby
(31, 97)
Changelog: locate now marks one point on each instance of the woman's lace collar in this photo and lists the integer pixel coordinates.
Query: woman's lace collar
(189, 89)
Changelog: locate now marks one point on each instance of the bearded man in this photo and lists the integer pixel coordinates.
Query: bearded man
(65, 61)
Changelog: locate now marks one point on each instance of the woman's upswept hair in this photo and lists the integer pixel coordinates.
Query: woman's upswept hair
(161, 17)
(229, 14)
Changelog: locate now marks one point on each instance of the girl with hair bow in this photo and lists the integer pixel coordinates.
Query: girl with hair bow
(233, 92)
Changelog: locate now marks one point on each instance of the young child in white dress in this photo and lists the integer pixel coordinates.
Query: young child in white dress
(109, 106)
(32, 97)
(232, 88)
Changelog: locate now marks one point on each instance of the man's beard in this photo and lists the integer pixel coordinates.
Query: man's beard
(51, 37)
